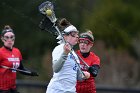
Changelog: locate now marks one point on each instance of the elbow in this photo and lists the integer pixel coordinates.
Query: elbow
(57, 65)
(56, 69)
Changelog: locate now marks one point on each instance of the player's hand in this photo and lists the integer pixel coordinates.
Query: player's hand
(93, 70)
(87, 74)
(34, 73)
(67, 48)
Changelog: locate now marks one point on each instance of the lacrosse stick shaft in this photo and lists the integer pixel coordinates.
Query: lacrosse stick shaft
(83, 61)
(19, 70)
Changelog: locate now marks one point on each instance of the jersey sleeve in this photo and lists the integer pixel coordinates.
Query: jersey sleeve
(96, 60)
(59, 58)
(57, 52)
(0, 58)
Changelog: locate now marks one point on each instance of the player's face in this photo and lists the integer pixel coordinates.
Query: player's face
(8, 39)
(85, 45)
(72, 38)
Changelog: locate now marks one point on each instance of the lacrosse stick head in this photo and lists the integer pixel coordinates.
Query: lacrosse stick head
(46, 25)
(46, 7)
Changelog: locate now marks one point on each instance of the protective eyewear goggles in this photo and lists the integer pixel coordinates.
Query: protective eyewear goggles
(85, 41)
(74, 34)
(9, 37)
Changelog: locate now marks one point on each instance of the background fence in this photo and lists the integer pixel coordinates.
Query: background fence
(40, 87)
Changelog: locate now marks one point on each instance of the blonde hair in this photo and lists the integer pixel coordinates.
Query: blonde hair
(88, 33)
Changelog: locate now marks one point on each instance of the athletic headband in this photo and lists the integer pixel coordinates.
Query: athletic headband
(86, 37)
(5, 31)
(70, 28)
(67, 31)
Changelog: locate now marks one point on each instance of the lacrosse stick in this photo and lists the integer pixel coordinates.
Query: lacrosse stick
(19, 70)
(47, 9)
(25, 72)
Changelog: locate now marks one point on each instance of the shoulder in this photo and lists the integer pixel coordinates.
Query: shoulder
(93, 54)
(1, 49)
(95, 58)
(58, 48)
(2, 52)
(16, 49)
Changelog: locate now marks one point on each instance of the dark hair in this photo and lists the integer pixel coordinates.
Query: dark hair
(66, 27)
(6, 29)
(63, 23)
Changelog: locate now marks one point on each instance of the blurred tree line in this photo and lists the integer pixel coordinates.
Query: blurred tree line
(115, 25)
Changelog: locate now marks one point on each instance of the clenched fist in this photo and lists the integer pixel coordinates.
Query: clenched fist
(87, 74)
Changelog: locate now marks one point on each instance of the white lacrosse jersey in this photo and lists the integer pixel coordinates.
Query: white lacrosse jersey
(65, 80)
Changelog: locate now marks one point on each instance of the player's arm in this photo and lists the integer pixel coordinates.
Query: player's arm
(58, 64)
(32, 73)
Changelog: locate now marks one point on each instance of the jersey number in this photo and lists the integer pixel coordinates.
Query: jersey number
(15, 66)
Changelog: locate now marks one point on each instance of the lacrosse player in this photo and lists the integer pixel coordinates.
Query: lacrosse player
(85, 44)
(10, 60)
(65, 71)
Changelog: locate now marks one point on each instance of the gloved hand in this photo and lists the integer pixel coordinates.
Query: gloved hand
(34, 73)
(93, 70)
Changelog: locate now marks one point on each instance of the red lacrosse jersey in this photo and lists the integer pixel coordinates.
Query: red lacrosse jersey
(88, 85)
(9, 58)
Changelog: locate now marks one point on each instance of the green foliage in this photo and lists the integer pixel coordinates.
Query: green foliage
(115, 22)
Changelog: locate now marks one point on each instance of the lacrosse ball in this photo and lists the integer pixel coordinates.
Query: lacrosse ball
(49, 12)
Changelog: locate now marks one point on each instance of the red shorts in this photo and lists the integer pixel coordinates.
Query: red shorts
(85, 87)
